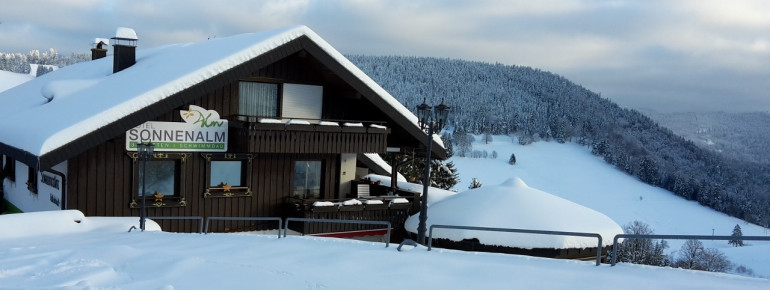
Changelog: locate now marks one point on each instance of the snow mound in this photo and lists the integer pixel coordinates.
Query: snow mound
(47, 223)
(513, 204)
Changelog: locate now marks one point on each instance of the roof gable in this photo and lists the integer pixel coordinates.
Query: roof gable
(83, 105)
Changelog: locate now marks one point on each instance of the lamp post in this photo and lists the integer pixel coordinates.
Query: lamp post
(145, 154)
(432, 121)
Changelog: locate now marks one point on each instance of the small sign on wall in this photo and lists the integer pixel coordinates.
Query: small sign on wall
(203, 131)
(50, 186)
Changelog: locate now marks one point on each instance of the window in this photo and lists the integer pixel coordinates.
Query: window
(161, 178)
(258, 99)
(227, 175)
(32, 179)
(226, 172)
(9, 170)
(164, 183)
(307, 179)
(302, 101)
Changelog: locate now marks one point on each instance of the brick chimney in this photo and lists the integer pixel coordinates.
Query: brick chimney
(98, 51)
(124, 49)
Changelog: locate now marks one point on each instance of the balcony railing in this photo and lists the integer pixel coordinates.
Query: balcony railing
(252, 134)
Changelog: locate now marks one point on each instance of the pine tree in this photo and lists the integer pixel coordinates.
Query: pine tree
(475, 183)
(512, 160)
(444, 175)
(737, 233)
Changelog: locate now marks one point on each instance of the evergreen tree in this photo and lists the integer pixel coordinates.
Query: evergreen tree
(512, 160)
(41, 70)
(737, 233)
(475, 183)
(648, 171)
(444, 175)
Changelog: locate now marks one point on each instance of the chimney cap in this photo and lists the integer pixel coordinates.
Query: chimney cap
(102, 41)
(125, 33)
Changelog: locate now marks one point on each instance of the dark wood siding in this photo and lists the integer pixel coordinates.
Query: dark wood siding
(101, 183)
(101, 180)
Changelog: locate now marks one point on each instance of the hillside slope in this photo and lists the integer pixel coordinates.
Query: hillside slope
(538, 105)
(739, 136)
(571, 172)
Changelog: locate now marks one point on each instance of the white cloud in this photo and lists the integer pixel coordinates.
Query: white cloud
(621, 38)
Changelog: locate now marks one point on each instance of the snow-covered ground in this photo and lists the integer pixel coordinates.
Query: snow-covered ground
(570, 171)
(10, 79)
(54, 251)
(51, 250)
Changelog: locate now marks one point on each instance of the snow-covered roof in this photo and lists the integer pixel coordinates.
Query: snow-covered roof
(434, 194)
(513, 204)
(379, 166)
(77, 100)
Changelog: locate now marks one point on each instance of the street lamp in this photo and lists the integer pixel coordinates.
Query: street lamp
(145, 154)
(431, 121)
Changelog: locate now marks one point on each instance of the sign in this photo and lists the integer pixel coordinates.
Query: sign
(203, 130)
(50, 184)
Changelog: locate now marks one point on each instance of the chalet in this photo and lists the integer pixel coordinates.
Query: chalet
(242, 126)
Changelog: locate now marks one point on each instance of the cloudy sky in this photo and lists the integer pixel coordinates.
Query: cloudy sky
(669, 56)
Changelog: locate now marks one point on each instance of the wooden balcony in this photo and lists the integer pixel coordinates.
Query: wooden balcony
(251, 135)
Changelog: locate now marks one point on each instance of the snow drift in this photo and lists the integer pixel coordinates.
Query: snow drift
(513, 204)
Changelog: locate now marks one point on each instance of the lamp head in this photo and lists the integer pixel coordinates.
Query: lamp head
(442, 113)
(424, 114)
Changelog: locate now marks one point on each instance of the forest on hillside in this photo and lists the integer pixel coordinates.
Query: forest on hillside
(538, 105)
(740, 136)
(21, 63)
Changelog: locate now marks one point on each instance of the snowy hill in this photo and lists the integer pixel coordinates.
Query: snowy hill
(541, 105)
(10, 79)
(570, 171)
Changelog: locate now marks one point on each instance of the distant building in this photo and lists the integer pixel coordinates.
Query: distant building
(241, 125)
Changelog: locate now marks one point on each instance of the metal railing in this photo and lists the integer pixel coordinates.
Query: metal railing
(538, 232)
(199, 219)
(678, 237)
(280, 221)
(336, 221)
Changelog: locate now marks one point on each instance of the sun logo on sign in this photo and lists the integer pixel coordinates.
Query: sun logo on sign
(198, 115)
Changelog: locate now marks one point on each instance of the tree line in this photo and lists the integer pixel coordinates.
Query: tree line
(21, 63)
